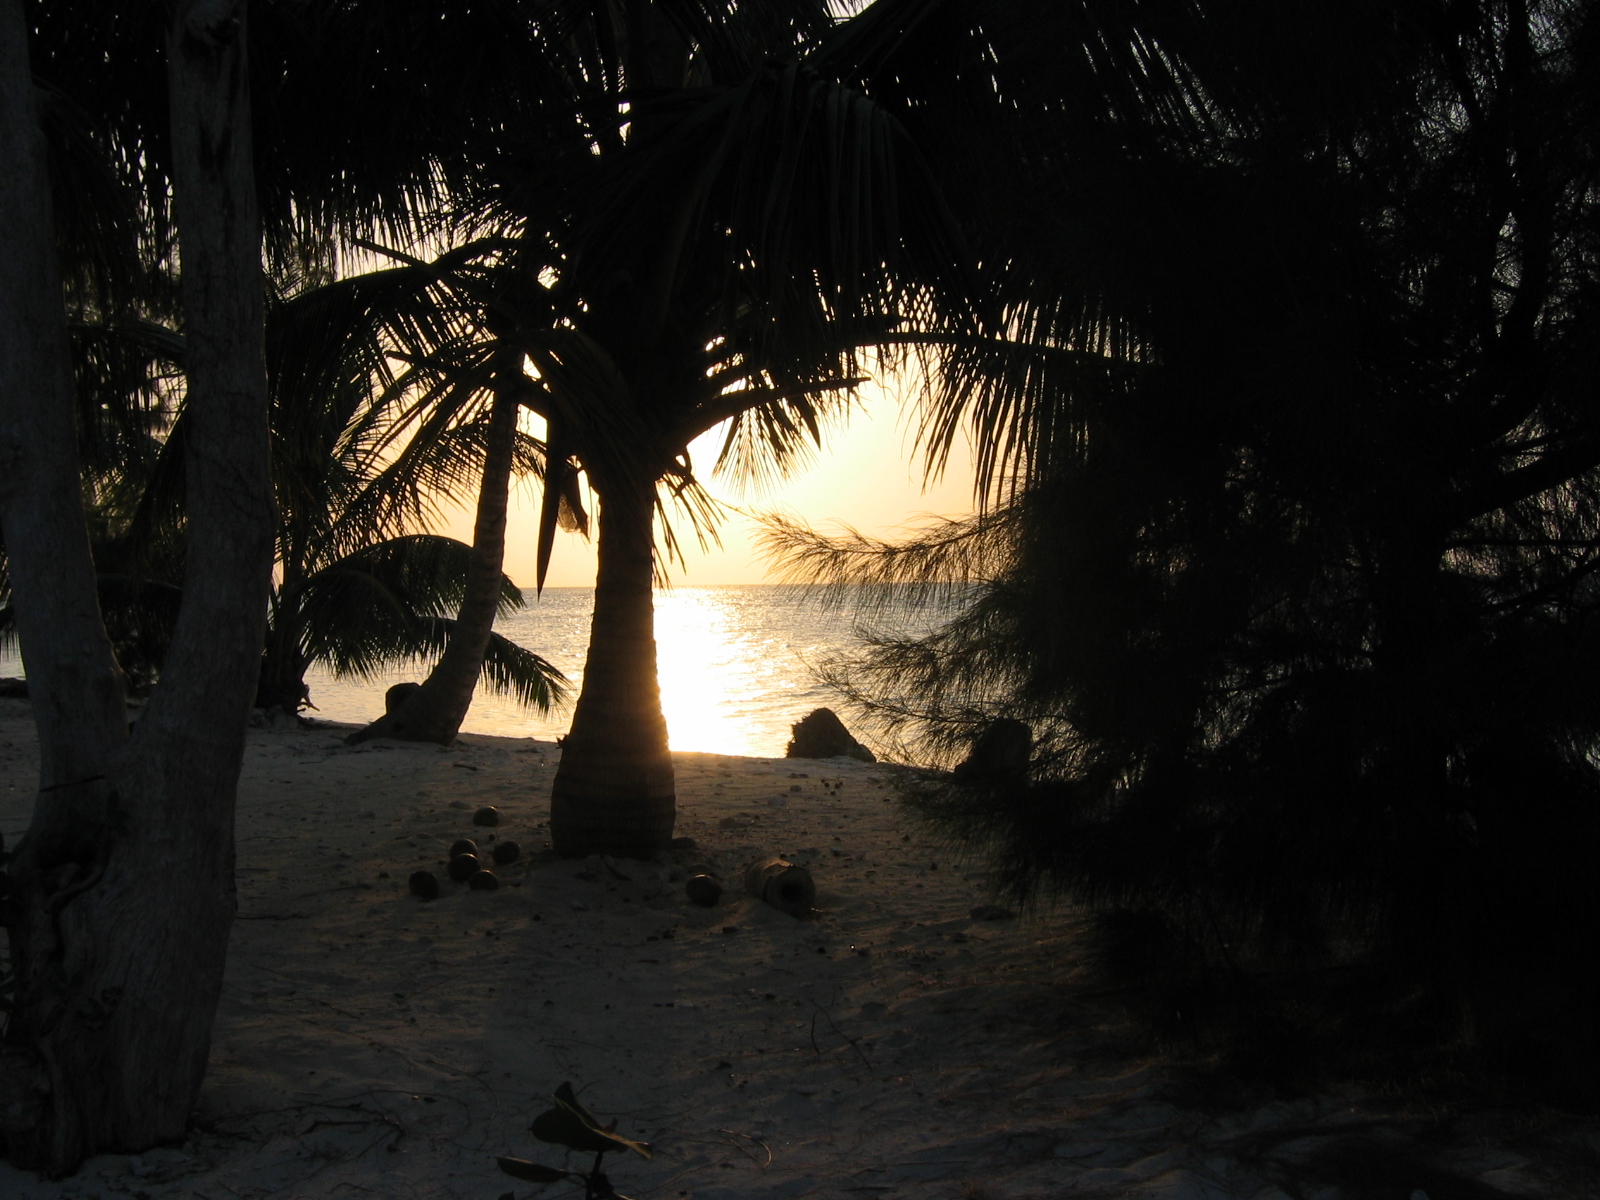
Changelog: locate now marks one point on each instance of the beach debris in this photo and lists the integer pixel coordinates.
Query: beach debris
(507, 852)
(782, 884)
(703, 890)
(483, 880)
(820, 734)
(463, 867)
(487, 815)
(463, 846)
(424, 885)
(572, 1125)
(991, 912)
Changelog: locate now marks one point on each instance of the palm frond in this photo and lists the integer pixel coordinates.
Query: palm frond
(513, 670)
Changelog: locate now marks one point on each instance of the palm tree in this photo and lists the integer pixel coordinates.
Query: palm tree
(355, 590)
(728, 225)
(455, 325)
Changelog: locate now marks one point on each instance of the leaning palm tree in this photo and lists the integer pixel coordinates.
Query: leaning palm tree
(356, 589)
(432, 353)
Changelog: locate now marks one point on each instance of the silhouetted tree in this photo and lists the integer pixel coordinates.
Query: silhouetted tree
(730, 221)
(356, 589)
(1295, 581)
(122, 892)
(107, 1039)
(432, 355)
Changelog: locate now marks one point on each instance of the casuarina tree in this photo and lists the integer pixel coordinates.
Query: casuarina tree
(1297, 590)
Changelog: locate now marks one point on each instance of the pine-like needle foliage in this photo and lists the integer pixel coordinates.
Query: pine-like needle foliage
(1297, 587)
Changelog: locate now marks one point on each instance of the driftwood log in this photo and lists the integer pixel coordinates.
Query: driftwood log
(780, 883)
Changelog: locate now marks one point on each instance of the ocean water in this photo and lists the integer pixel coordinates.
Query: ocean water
(736, 663)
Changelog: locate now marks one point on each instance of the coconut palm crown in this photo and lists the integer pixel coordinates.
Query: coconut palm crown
(730, 224)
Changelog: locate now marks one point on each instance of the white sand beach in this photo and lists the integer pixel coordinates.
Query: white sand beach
(372, 1044)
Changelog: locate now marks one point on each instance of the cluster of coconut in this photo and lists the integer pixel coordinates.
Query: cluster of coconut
(466, 864)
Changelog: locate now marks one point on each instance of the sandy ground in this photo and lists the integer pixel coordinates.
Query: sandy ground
(370, 1044)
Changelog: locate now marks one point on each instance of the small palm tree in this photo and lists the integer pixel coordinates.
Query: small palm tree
(385, 605)
(729, 226)
(399, 386)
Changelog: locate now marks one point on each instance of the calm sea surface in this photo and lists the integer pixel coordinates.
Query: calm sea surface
(735, 664)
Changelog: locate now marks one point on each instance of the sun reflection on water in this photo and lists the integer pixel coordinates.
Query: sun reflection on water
(714, 667)
(735, 664)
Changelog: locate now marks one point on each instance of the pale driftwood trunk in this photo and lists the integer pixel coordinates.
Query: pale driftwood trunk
(434, 712)
(119, 933)
(614, 792)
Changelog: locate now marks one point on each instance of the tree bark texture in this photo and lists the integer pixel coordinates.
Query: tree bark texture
(434, 712)
(614, 791)
(73, 679)
(74, 683)
(119, 934)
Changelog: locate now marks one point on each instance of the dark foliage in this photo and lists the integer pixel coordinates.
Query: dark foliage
(1294, 581)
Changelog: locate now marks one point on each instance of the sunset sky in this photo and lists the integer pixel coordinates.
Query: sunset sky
(867, 475)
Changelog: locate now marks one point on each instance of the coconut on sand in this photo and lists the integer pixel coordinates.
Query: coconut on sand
(370, 1042)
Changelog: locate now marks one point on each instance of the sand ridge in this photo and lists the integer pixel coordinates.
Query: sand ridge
(372, 1044)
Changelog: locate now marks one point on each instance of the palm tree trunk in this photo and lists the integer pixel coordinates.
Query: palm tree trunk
(283, 667)
(434, 712)
(119, 932)
(614, 791)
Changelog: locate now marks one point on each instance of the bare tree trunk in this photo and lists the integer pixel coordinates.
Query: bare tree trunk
(614, 791)
(434, 712)
(119, 933)
(74, 682)
(73, 679)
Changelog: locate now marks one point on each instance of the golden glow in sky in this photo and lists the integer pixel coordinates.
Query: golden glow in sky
(866, 475)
